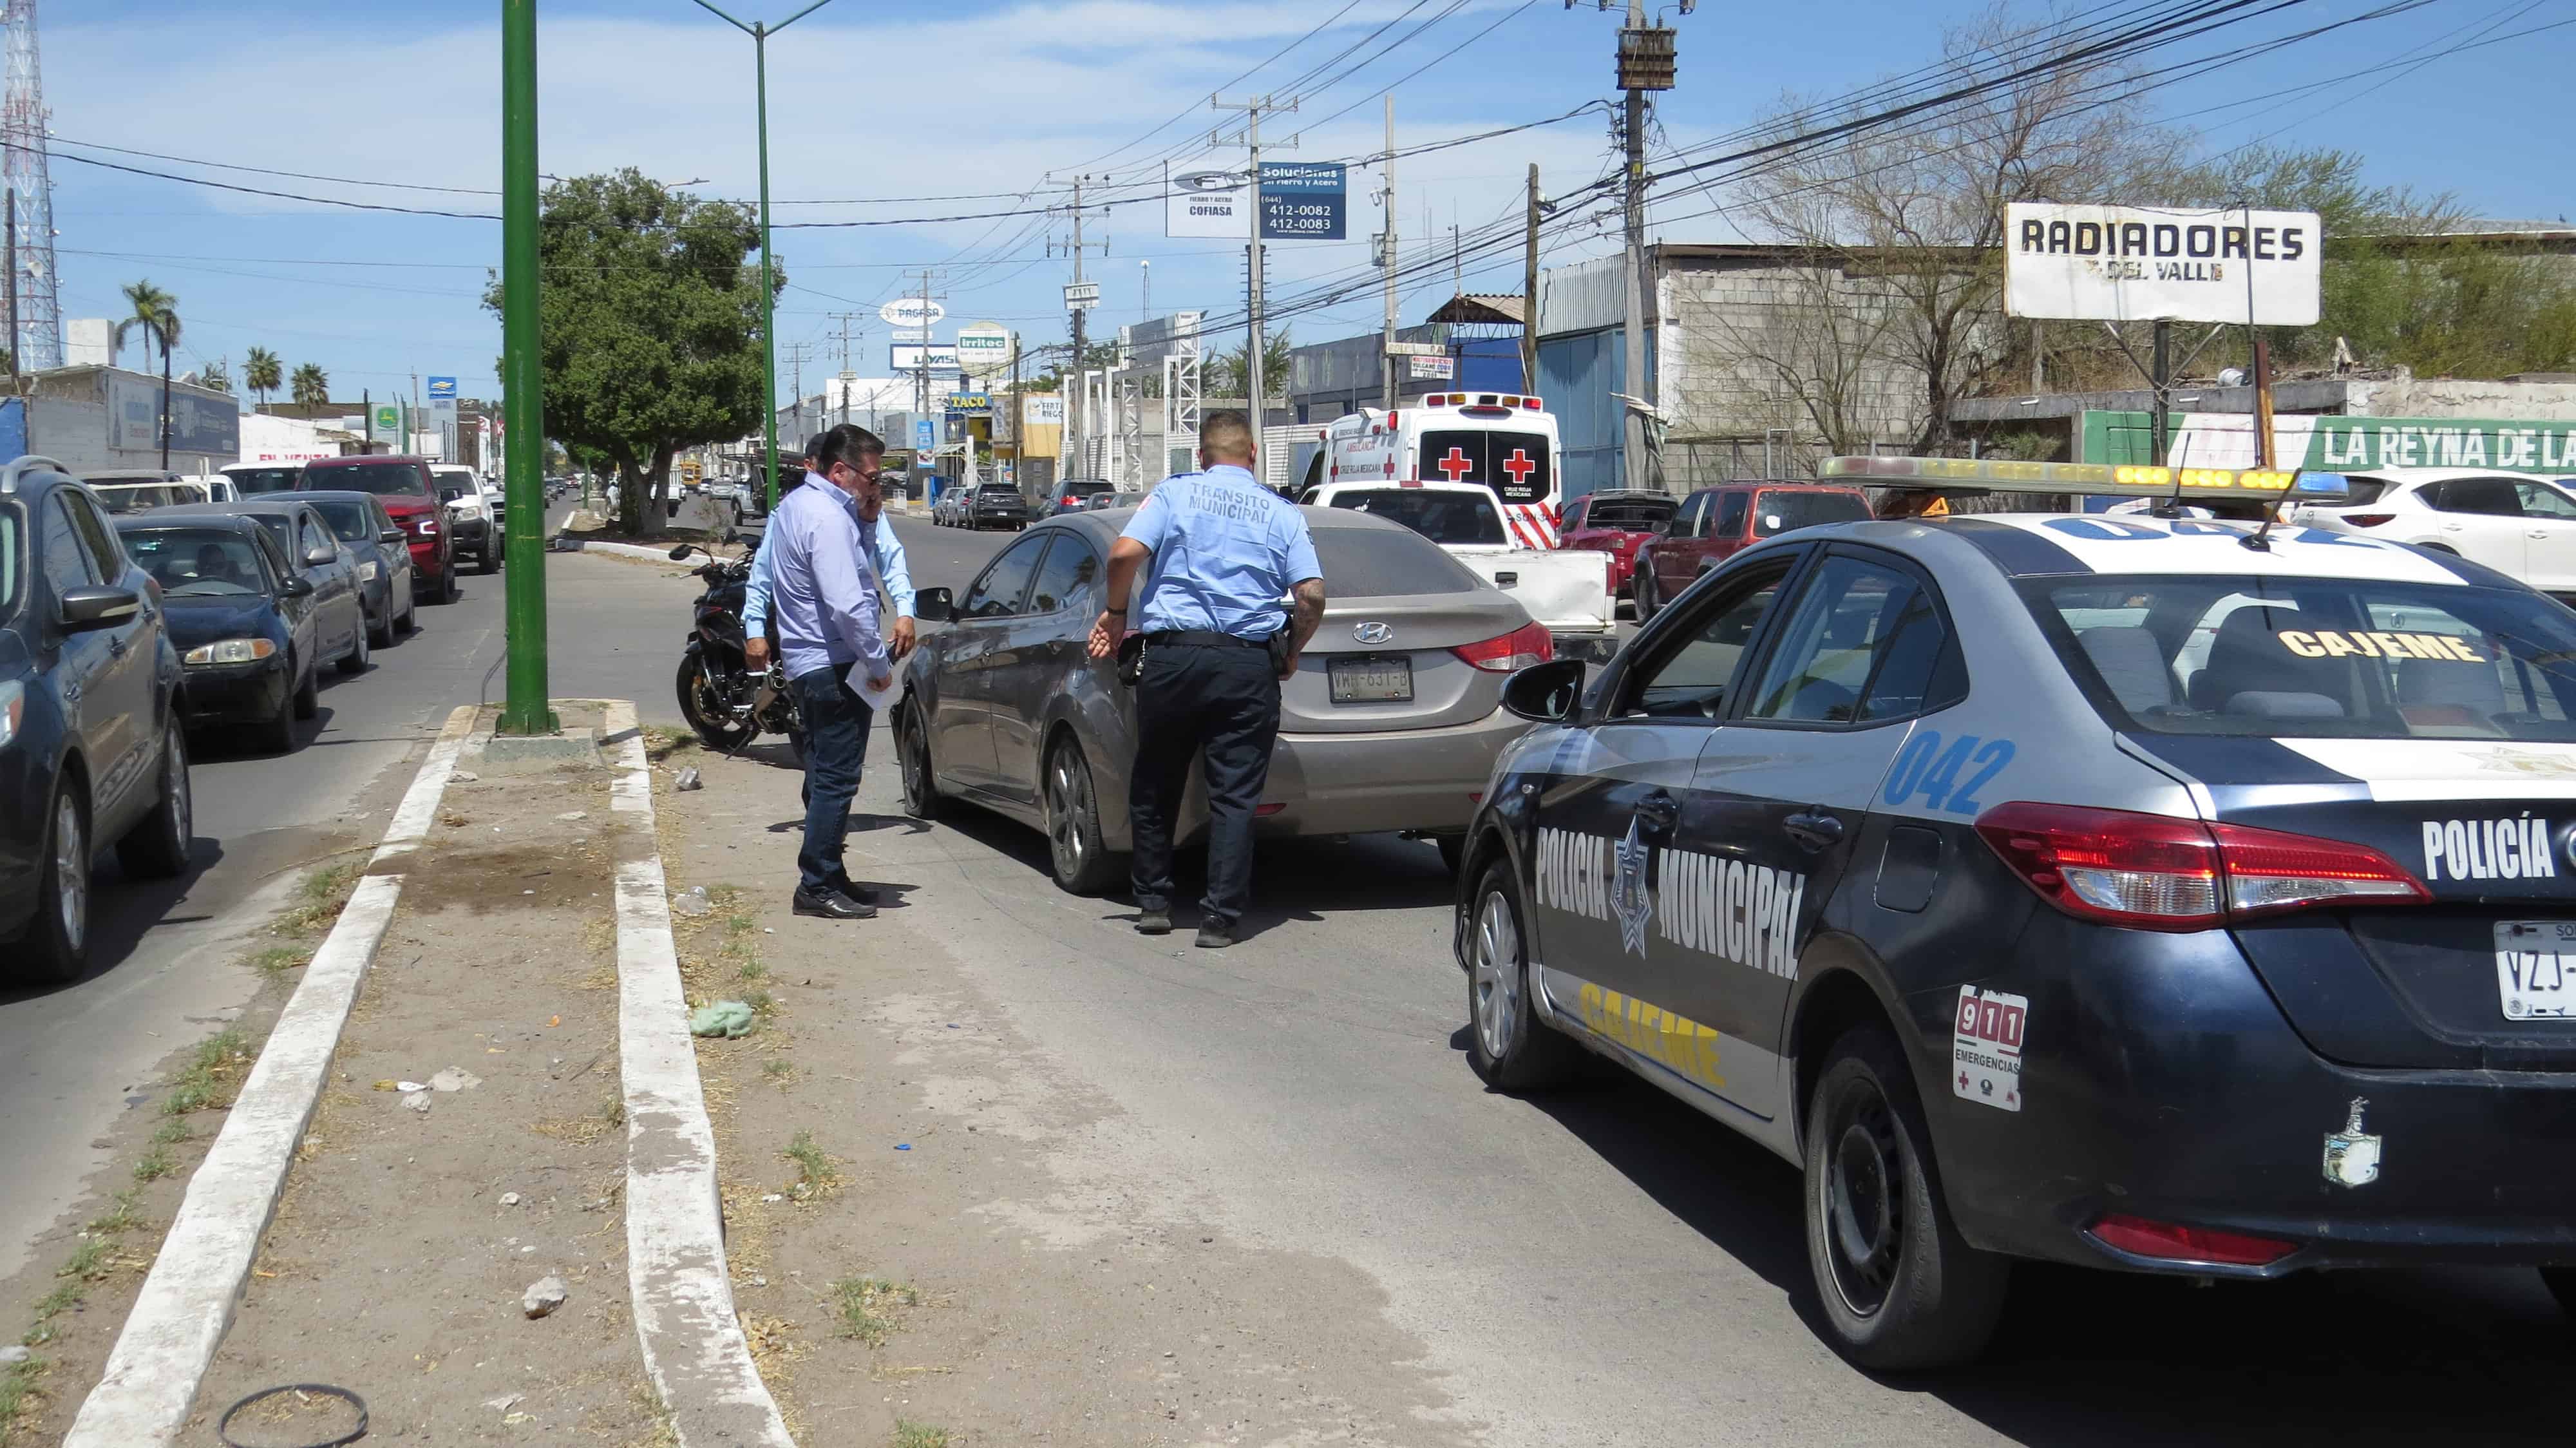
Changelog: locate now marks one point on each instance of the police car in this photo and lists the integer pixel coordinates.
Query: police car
(2155, 893)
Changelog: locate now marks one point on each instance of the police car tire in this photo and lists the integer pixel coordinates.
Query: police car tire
(1534, 1055)
(1942, 1298)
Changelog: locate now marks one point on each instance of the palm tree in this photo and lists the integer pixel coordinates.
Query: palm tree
(157, 313)
(215, 375)
(260, 373)
(312, 386)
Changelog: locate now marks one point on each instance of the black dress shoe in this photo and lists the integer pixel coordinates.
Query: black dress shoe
(1154, 922)
(1215, 935)
(864, 894)
(832, 905)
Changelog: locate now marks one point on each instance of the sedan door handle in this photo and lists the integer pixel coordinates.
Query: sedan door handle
(1659, 811)
(1814, 830)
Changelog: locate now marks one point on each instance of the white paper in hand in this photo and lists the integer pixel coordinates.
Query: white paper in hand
(879, 700)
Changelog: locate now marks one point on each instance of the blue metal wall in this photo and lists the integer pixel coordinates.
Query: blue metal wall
(13, 427)
(1577, 376)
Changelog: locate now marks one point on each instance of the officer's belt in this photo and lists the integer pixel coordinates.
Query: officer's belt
(1201, 638)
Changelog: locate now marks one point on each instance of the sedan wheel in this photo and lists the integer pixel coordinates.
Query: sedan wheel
(1081, 859)
(1508, 1045)
(1899, 1286)
(920, 786)
(157, 848)
(58, 937)
(355, 660)
(308, 693)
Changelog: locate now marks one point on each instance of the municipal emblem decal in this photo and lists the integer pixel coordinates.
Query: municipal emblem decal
(2352, 1155)
(1629, 898)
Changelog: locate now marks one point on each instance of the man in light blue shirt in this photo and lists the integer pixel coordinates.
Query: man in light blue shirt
(1220, 554)
(885, 551)
(823, 590)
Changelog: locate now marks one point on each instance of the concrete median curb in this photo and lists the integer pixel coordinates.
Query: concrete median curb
(614, 550)
(677, 1279)
(187, 1302)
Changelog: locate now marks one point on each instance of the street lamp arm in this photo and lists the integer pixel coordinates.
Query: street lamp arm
(727, 19)
(792, 19)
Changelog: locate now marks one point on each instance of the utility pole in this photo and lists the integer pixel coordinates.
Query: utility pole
(1529, 291)
(1252, 329)
(1386, 262)
(796, 369)
(847, 376)
(1079, 298)
(524, 709)
(1646, 62)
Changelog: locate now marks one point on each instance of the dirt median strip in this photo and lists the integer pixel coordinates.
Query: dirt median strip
(195, 1284)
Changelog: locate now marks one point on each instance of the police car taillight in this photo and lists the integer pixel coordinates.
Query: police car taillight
(1522, 647)
(2155, 872)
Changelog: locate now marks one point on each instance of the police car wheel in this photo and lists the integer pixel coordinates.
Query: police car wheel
(1509, 1047)
(1900, 1288)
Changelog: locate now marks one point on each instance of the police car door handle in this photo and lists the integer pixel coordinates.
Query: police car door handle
(1659, 811)
(1813, 829)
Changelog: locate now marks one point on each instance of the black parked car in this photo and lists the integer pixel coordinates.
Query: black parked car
(90, 743)
(384, 564)
(314, 553)
(240, 618)
(997, 505)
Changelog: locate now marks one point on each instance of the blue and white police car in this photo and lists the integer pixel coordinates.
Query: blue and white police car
(2157, 893)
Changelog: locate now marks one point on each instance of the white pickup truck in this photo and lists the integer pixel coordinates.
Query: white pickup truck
(1567, 592)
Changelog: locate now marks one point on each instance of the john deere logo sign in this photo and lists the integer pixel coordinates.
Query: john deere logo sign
(389, 419)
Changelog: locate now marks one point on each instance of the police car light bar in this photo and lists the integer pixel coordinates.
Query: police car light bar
(1998, 475)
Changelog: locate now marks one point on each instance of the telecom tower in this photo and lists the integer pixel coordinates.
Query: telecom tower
(39, 343)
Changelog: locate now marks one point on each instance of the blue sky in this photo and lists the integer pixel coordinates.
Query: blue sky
(896, 99)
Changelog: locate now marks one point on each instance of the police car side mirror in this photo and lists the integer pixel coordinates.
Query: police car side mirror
(1545, 693)
(933, 605)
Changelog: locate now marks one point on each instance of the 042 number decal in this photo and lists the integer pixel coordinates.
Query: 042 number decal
(1928, 771)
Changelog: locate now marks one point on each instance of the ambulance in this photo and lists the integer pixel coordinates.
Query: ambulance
(1500, 440)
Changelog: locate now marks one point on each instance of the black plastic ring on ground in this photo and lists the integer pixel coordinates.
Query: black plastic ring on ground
(223, 1426)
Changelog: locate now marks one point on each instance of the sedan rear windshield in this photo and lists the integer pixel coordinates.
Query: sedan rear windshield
(1463, 518)
(2314, 657)
(349, 520)
(1637, 517)
(264, 480)
(382, 479)
(197, 562)
(1780, 510)
(1376, 563)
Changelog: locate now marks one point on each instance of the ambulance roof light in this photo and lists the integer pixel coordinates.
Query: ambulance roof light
(1532, 404)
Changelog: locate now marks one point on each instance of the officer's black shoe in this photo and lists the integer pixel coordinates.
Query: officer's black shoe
(1215, 935)
(864, 894)
(832, 905)
(1153, 922)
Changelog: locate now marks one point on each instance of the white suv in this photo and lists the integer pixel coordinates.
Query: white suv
(2514, 523)
(475, 513)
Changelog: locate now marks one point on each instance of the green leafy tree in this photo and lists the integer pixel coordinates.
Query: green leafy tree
(1228, 377)
(312, 386)
(261, 373)
(651, 327)
(156, 312)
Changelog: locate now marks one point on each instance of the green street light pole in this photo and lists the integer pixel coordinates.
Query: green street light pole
(760, 31)
(523, 451)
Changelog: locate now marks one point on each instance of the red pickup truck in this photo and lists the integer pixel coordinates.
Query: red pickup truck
(1714, 522)
(1616, 522)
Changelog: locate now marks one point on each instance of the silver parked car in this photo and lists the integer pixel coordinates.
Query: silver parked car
(1391, 722)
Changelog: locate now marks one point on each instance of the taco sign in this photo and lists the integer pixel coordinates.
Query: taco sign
(2144, 263)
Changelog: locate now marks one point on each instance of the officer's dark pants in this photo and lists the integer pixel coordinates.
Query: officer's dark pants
(836, 743)
(1225, 702)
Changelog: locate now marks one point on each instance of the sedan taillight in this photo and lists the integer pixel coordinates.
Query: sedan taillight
(2364, 520)
(2156, 872)
(1522, 647)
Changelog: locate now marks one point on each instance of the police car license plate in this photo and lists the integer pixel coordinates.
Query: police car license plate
(1372, 680)
(2536, 968)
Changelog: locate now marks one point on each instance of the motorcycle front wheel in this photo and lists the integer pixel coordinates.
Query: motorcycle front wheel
(707, 714)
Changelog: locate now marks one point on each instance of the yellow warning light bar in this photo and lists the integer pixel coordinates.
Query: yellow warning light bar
(1999, 475)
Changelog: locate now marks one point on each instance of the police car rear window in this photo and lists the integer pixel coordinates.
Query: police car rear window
(2314, 657)
(1376, 563)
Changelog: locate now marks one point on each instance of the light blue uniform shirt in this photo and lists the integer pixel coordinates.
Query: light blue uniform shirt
(885, 550)
(1226, 552)
(823, 586)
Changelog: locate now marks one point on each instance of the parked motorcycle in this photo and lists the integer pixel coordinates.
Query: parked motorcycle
(724, 699)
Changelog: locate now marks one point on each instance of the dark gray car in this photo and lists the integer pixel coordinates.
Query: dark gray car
(383, 552)
(1391, 722)
(318, 557)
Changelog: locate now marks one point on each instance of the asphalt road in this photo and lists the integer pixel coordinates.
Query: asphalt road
(1598, 1266)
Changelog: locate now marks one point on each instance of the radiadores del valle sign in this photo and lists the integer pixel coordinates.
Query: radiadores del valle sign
(2142, 263)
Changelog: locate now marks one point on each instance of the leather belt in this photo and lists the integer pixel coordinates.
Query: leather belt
(1201, 638)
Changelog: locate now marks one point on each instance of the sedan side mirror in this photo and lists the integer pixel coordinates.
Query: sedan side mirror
(319, 557)
(933, 605)
(98, 606)
(298, 588)
(390, 535)
(1545, 693)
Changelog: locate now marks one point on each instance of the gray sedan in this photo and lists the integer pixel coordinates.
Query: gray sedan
(1391, 722)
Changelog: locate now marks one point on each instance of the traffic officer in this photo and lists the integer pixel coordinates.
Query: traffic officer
(1220, 552)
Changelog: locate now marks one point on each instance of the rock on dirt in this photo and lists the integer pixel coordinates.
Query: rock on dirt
(417, 1101)
(455, 1078)
(543, 1296)
(688, 779)
(509, 1199)
(13, 1354)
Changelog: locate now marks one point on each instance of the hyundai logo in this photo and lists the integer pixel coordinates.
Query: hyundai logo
(1372, 633)
(1205, 181)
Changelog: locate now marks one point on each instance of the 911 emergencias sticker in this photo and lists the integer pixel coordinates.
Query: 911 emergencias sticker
(1985, 1047)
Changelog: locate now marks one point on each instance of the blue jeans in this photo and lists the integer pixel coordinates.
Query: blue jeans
(837, 721)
